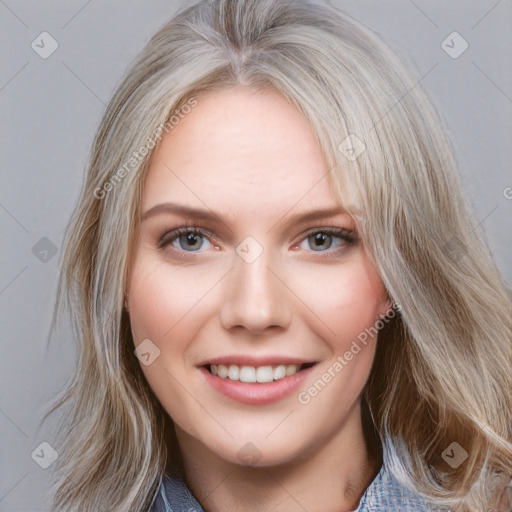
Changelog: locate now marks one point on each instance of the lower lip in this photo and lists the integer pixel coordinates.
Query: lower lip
(257, 393)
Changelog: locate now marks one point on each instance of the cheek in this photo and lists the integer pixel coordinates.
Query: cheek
(164, 308)
(169, 305)
(349, 299)
(157, 306)
(346, 298)
(162, 299)
(152, 306)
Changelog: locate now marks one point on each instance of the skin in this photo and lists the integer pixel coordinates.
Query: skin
(251, 158)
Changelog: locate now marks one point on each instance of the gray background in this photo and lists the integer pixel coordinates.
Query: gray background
(50, 111)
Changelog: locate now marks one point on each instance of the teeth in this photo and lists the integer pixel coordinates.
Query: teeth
(234, 372)
(253, 374)
(222, 371)
(291, 369)
(264, 374)
(280, 372)
(248, 374)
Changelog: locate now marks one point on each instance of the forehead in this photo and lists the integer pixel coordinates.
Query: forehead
(240, 149)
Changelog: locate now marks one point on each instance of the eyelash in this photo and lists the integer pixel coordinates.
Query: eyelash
(349, 237)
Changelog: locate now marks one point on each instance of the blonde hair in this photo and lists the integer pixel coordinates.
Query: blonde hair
(442, 368)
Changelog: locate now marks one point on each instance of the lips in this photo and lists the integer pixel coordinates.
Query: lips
(256, 381)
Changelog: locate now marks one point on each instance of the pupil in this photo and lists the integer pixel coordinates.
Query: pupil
(190, 239)
(320, 238)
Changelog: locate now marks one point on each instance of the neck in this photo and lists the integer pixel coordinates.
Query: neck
(335, 473)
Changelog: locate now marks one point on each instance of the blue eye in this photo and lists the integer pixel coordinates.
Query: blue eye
(322, 239)
(186, 239)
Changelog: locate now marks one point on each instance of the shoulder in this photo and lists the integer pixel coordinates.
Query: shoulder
(174, 496)
(387, 494)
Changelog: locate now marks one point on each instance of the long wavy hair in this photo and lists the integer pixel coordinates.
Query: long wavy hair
(442, 372)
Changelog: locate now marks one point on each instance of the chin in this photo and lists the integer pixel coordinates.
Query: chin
(261, 451)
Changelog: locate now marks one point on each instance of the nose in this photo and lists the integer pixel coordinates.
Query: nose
(256, 297)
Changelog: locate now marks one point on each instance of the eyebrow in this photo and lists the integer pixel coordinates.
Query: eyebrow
(204, 214)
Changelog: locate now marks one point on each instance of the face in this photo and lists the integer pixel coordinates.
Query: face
(233, 275)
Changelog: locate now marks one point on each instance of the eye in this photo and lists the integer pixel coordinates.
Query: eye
(187, 239)
(327, 238)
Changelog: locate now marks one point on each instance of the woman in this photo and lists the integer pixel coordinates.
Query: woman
(280, 300)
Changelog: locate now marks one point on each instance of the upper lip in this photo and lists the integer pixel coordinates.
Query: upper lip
(246, 360)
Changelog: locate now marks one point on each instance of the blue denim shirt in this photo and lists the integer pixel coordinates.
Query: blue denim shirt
(385, 494)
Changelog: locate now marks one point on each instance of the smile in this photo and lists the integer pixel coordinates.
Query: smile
(253, 374)
(269, 381)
